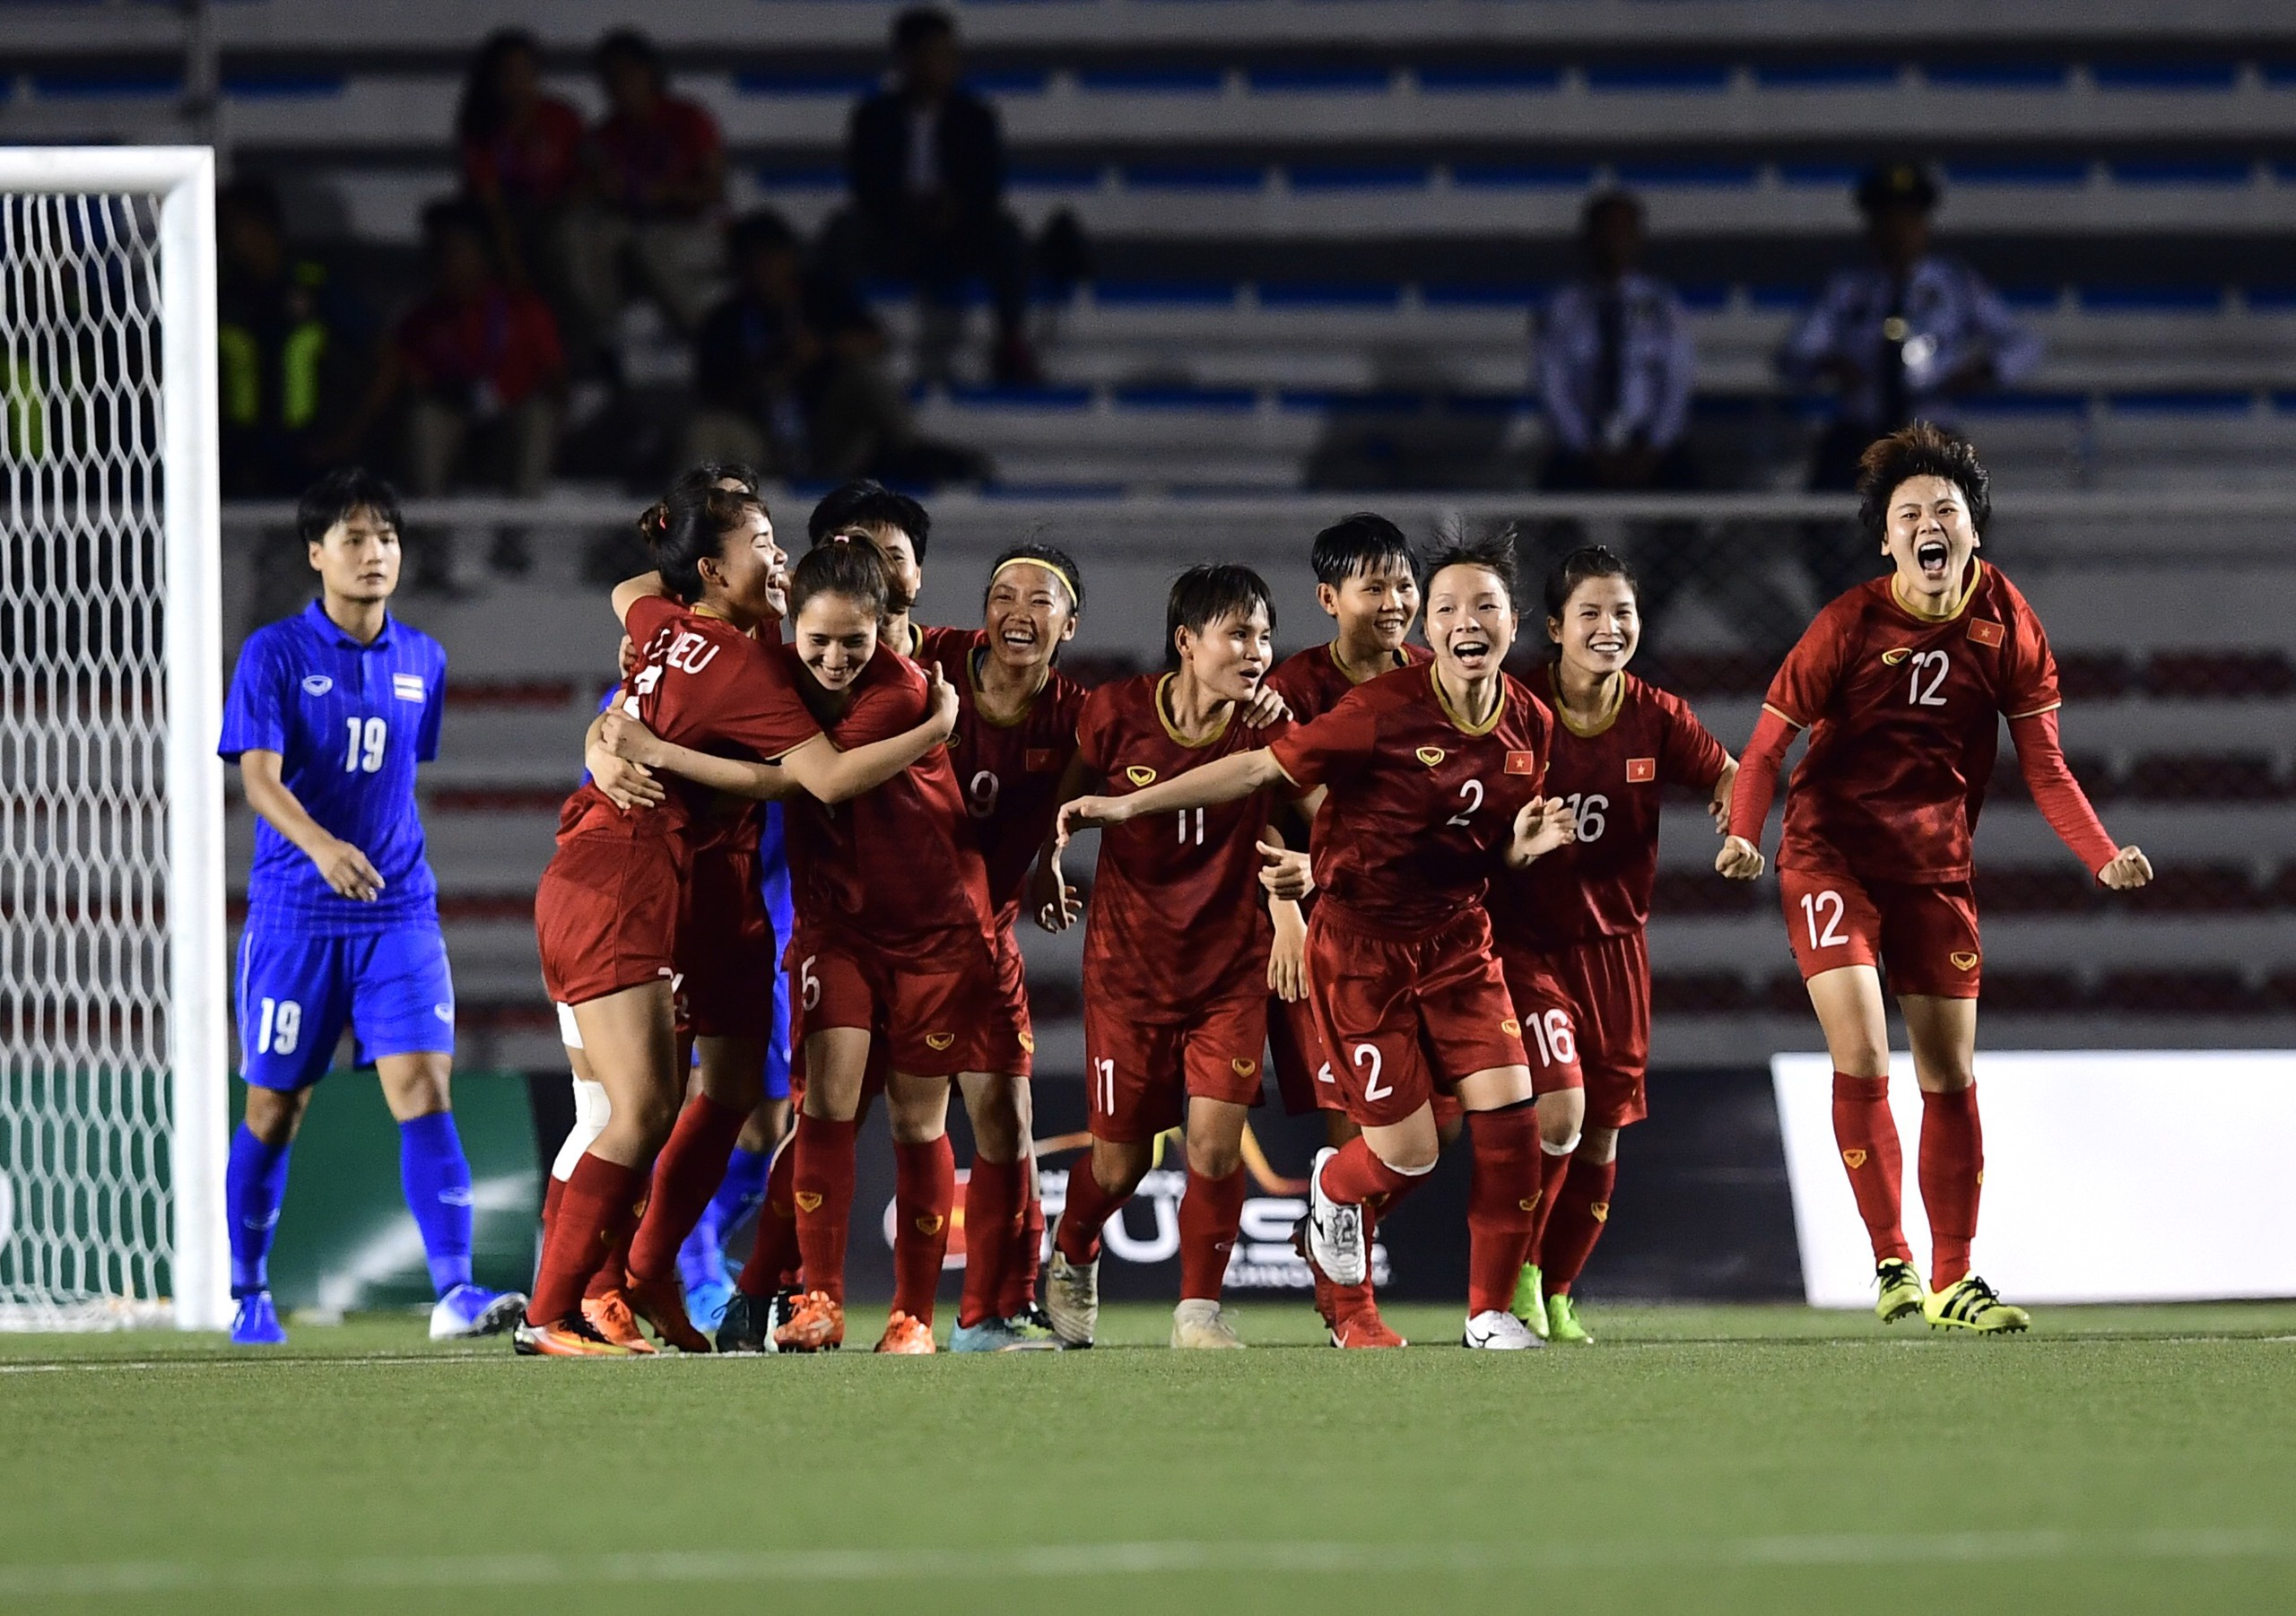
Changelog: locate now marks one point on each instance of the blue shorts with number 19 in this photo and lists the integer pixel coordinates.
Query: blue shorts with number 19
(394, 988)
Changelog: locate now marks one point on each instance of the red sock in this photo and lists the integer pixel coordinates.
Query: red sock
(1356, 1176)
(686, 1174)
(1211, 1213)
(600, 1204)
(1552, 1171)
(1501, 1200)
(773, 1249)
(1089, 1206)
(1578, 1212)
(1952, 1173)
(925, 1193)
(993, 1194)
(607, 1277)
(1868, 1137)
(552, 1188)
(821, 1187)
(1028, 1252)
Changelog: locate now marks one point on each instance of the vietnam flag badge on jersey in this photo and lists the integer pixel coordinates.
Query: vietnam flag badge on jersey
(1522, 763)
(1640, 771)
(1040, 759)
(1985, 631)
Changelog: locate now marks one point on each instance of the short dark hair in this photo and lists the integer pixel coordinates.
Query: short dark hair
(1495, 554)
(627, 45)
(865, 502)
(1896, 184)
(333, 497)
(1361, 542)
(481, 112)
(1605, 201)
(920, 25)
(761, 231)
(1923, 450)
(710, 474)
(692, 523)
(855, 571)
(1203, 595)
(1057, 559)
(1588, 560)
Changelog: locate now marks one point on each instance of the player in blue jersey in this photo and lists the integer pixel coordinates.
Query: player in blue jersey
(329, 712)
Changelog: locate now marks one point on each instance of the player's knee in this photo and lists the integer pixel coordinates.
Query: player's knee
(1561, 1116)
(1599, 1146)
(1214, 1157)
(273, 1116)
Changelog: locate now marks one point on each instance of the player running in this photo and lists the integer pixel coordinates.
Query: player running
(1570, 929)
(608, 908)
(1178, 951)
(1367, 580)
(329, 712)
(1902, 684)
(1432, 778)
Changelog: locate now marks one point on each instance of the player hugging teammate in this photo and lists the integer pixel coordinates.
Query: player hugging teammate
(1461, 950)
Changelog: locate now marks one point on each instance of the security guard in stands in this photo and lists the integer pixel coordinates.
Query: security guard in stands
(288, 348)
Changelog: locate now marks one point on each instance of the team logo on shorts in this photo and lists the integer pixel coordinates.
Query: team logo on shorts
(1140, 774)
(1962, 961)
(1641, 771)
(1600, 1211)
(1853, 1160)
(1512, 1028)
(939, 1040)
(808, 1200)
(1028, 1043)
(1244, 1068)
(1896, 655)
(928, 1224)
(1430, 755)
(316, 684)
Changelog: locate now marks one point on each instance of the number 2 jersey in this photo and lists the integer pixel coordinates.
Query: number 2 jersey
(1612, 776)
(1178, 916)
(1903, 713)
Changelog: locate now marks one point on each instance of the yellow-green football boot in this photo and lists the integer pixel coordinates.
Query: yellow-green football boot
(1902, 1293)
(1562, 1325)
(1530, 1301)
(1968, 1303)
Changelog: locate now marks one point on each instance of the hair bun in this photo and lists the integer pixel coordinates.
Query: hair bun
(654, 525)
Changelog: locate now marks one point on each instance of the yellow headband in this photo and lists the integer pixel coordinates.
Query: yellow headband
(1030, 561)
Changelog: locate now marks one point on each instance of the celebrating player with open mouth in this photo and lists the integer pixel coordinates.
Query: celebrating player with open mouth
(1433, 778)
(1902, 684)
(1570, 928)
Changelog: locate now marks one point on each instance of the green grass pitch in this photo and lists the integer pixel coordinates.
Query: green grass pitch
(1742, 1459)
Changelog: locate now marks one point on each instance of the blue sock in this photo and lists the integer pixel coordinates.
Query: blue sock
(254, 1185)
(701, 1260)
(437, 1178)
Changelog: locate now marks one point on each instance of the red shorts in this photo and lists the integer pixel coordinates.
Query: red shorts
(1404, 1020)
(1303, 1077)
(1012, 1040)
(1923, 937)
(1607, 980)
(931, 1016)
(1549, 1017)
(724, 947)
(1140, 1073)
(606, 916)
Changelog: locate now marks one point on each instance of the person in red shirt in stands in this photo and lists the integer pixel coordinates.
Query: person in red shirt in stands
(520, 149)
(1902, 684)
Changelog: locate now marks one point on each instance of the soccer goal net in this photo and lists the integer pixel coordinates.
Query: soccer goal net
(113, 984)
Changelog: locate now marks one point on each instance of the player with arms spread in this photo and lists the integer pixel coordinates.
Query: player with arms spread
(1902, 684)
(1432, 777)
(329, 713)
(1178, 954)
(1570, 929)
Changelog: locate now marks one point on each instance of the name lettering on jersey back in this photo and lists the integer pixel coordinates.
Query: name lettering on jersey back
(690, 653)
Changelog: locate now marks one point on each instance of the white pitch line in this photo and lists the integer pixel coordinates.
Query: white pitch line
(1100, 1560)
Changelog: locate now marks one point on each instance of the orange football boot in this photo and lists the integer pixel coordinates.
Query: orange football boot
(816, 1323)
(661, 1303)
(609, 1316)
(910, 1336)
(572, 1336)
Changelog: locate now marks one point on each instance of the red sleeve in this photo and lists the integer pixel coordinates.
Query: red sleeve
(762, 709)
(2055, 792)
(700, 136)
(1758, 776)
(2029, 670)
(885, 706)
(1092, 726)
(539, 332)
(647, 615)
(1805, 682)
(1331, 747)
(1688, 754)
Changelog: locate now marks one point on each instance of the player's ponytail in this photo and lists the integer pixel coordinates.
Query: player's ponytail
(862, 543)
(852, 572)
(691, 524)
(1588, 560)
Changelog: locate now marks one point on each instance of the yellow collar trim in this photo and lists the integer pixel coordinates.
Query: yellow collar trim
(1459, 721)
(972, 681)
(1968, 591)
(1396, 660)
(1164, 715)
(1612, 704)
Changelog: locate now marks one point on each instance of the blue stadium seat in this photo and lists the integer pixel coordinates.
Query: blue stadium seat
(1281, 80)
(2151, 300)
(2018, 173)
(2182, 171)
(1685, 78)
(2166, 75)
(1151, 81)
(1471, 78)
(2192, 402)
(1714, 174)
(1297, 294)
(1180, 397)
(1193, 294)
(1194, 177)
(1996, 76)
(1357, 177)
(1524, 176)
(283, 86)
(1826, 76)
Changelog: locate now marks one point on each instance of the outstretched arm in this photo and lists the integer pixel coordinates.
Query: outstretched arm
(1229, 780)
(1751, 790)
(2065, 806)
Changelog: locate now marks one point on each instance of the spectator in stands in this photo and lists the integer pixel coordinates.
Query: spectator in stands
(477, 364)
(657, 173)
(1904, 336)
(1616, 366)
(290, 348)
(522, 154)
(924, 161)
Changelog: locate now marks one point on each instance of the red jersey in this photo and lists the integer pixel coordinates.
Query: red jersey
(701, 683)
(894, 870)
(1010, 772)
(1423, 803)
(1611, 774)
(1311, 682)
(540, 163)
(1904, 716)
(1178, 915)
(639, 156)
(504, 346)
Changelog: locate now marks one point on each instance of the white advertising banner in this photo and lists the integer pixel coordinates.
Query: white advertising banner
(2109, 1176)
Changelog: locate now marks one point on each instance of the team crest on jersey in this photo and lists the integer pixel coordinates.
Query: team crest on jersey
(1140, 774)
(1028, 1043)
(808, 1200)
(1641, 771)
(1896, 655)
(1512, 1028)
(316, 684)
(1430, 755)
(1853, 1160)
(1243, 1068)
(408, 687)
(1962, 961)
(1600, 1211)
(939, 1040)
(1985, 631)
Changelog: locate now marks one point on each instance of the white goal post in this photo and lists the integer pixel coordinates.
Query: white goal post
(114, 981)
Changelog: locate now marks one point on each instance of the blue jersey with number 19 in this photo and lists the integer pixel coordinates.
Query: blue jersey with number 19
(350, 722)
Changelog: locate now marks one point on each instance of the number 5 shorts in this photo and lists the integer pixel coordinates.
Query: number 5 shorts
(1923, 937)
(1403, 1019)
